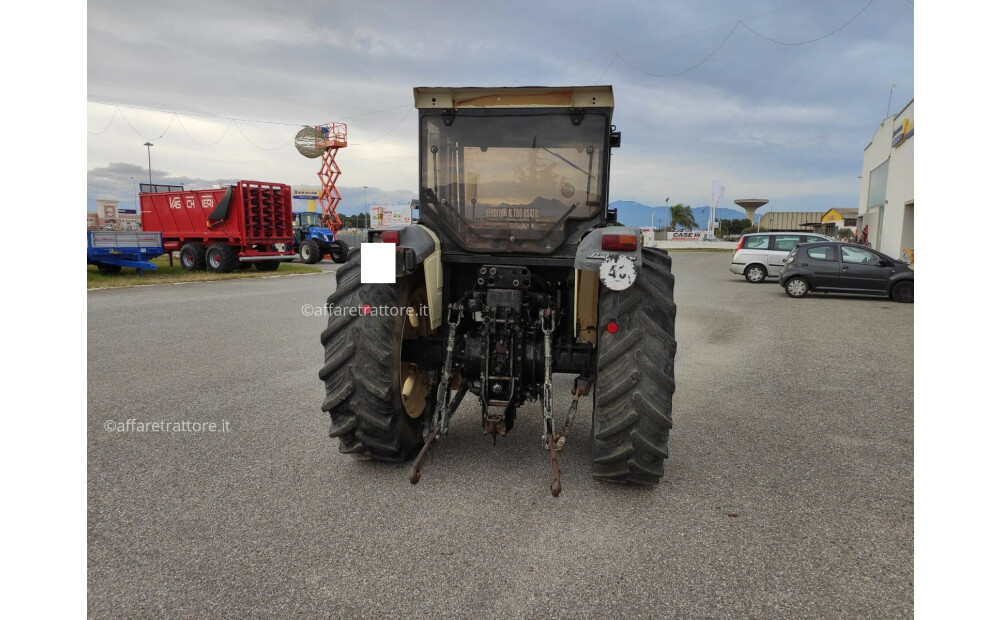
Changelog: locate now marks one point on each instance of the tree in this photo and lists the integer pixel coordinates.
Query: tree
(733, 227)
(680, 215)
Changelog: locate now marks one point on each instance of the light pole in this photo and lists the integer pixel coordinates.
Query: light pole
(149, 160)
(758, 221)
(666, 218)
(368, 217)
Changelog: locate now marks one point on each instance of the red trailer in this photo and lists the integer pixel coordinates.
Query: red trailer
(224, 229)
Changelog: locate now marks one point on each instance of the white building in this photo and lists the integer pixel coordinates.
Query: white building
(111, 216)
(885, 205)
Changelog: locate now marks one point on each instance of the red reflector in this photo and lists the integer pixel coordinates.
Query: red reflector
(619, 242)
(390, 236)
(612, 328)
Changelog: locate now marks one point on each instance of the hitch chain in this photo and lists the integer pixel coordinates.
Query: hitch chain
(441, 414)
(444, 409)
(581, 387)
(549, 430)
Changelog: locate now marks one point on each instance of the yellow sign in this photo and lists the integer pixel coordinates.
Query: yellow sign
(902, 133)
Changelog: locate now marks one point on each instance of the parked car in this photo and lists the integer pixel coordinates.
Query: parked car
(759, 255)
(845, 268)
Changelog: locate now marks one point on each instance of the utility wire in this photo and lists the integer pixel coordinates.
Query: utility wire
(114, 113)
(224, 133)
(241, 120)
(232, 122)
(706, 59)
(688, 34)
(140, 134)
(247, 138)
(746, 152)
(398, 123)
(735, 25)
(847, 23)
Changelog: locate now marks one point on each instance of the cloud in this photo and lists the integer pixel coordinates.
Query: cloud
(792, 118)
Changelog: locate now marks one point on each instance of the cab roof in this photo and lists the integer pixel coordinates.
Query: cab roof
(514, 97)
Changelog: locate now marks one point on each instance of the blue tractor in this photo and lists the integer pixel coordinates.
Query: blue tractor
(313, 241)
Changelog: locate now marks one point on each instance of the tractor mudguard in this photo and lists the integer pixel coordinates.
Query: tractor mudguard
(590, 255)
(419, 245)
(615, 269)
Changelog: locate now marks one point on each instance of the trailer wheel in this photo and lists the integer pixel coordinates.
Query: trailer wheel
(635, 376)
(108, 270)
(342, 248)
(193, 256)
(309, 252)
(220, 258)
(363, 374)
(267, 265)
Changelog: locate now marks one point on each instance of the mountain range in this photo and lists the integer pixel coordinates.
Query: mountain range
(632, 213)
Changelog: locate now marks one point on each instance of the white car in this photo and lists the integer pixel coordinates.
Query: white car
(759, 256)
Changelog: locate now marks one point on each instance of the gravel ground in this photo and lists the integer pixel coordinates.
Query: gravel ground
(788, 493)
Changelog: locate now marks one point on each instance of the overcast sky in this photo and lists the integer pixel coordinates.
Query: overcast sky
(774, 98)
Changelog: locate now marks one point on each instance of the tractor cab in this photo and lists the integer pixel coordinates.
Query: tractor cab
(308, 225)
(514, 170)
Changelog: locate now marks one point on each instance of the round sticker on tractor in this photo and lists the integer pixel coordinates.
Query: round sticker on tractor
(617, 273)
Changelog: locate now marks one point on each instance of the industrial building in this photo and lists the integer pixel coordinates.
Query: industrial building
(789, 221)
(885, 206)
(835, 220)
(111, 216)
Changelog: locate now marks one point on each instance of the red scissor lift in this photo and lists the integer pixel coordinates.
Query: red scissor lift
(334, 138)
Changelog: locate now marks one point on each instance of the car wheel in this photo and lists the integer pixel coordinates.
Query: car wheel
(755, 274)
(796, 287)
(903, 292)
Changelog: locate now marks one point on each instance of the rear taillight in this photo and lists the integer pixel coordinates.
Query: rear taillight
(740, 244)
(390, 236)
(627, 243)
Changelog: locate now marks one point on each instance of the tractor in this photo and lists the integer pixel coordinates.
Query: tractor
(313, 241)
(517, 270)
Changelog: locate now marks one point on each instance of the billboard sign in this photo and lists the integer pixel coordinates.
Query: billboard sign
(390, 216)
(686, 235)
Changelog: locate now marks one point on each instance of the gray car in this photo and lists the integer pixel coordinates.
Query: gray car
(839, 267)
(759, 256)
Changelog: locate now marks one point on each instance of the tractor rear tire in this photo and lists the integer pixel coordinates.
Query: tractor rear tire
(108, 270)
(310, 252)
(267, 265)
(635, 376)
(220, 258)
(362, 370)
(193, 257)
(344, 250)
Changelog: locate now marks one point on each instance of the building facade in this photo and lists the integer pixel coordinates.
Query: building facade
(836, 220)
(885, 205)
(112, 216)
(789, 221)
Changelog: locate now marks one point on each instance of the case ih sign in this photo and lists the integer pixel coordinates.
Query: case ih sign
(686, 235)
